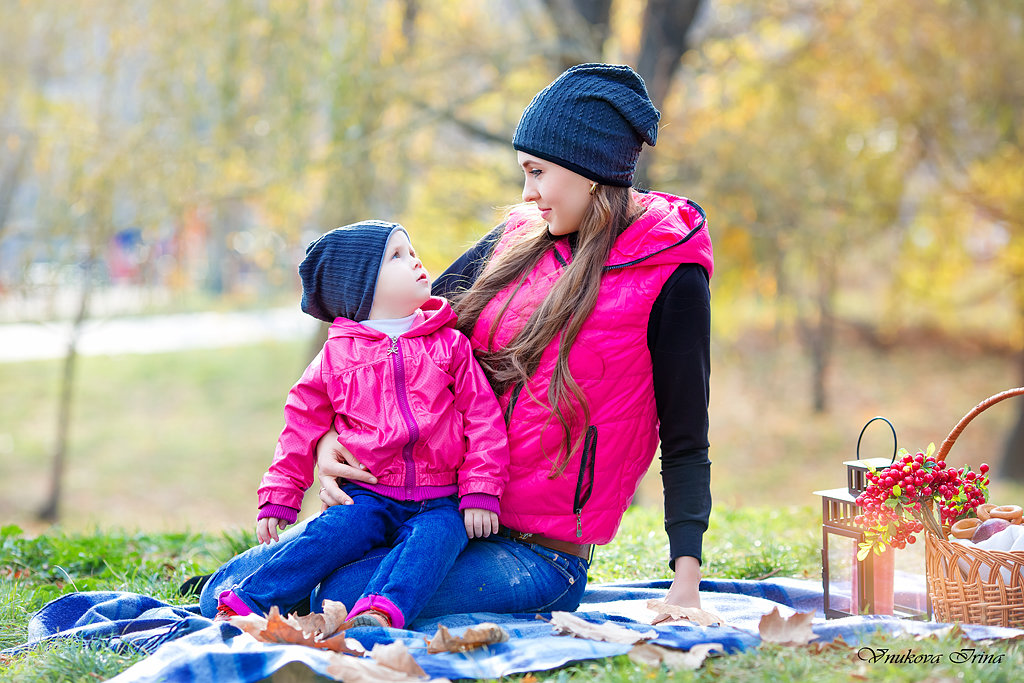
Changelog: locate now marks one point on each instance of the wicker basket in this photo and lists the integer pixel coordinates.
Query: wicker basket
(970, 585)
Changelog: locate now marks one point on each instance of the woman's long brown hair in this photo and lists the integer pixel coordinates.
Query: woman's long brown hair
(561, 314)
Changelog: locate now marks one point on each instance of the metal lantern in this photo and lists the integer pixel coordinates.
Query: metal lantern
(868, 582)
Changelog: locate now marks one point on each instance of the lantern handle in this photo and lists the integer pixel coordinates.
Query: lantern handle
(895, 443)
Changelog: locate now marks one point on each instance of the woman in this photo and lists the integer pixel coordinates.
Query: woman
(589, 309)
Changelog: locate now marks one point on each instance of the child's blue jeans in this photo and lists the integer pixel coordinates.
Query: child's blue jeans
(424, 538)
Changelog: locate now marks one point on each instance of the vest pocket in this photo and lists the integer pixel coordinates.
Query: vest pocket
(585, 479)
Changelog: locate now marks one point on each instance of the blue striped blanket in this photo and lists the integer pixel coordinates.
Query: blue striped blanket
(184, 646)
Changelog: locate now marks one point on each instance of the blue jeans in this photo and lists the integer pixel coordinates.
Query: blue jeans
(424, 538)
(493, 574)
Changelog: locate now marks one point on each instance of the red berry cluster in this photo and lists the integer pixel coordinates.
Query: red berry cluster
(899, 499)
(963, 496)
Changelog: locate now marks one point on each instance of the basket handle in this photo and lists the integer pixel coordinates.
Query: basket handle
(977, 410)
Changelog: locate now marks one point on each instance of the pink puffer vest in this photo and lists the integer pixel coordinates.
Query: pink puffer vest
(612, 364)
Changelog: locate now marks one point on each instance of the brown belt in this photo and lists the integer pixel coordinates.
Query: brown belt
(581, 551)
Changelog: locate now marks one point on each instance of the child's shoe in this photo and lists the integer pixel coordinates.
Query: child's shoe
(224, 613)
(370, 617)
(230, 605)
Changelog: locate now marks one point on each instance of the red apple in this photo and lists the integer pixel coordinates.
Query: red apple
(988, 529)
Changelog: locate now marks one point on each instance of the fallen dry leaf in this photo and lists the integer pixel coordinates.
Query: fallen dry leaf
(474, 637)
(951, 631)
(253, 624)
(281, 630)
(320, 624)
(365, 670)
(676, 613)
(340, 644)
(310, 624)
(396, 656)
(291, 630)
(335, 614)
(794, 630)
(609, 632)
(837, 643)
(656, 655)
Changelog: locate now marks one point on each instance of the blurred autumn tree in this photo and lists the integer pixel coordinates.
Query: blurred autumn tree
(782, 134)
(861, 163)
(963, 99)
(232, 134)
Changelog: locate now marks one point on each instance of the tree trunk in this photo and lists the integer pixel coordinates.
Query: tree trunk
(1011, 465)
(666, 28)
(50, 511)
(13, 169)
(583, 27)
(818, 334)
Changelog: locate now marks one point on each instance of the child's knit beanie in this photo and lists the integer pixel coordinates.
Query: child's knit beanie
(593, 119)
(339, 272)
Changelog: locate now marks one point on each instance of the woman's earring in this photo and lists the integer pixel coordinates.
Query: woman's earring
(593, 188)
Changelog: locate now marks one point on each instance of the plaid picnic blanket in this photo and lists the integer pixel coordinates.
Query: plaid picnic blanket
(185, 646)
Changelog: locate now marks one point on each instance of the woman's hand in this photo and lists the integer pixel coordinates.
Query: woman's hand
(480, 523)
(334, 460)
(267, 528)
(684, 589)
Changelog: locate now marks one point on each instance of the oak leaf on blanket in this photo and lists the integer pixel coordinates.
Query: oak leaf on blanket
(694, 614)
(792, 630)
(566, 623)
(482, 634)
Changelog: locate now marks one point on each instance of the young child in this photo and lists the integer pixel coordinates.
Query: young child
(401, 387)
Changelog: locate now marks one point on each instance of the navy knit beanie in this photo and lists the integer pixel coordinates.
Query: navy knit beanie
(593, 119)
(339, 273)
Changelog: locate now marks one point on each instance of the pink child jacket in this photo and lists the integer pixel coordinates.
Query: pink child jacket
(416, 409)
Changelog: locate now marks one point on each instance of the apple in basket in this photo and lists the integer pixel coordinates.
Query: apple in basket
(988, 528)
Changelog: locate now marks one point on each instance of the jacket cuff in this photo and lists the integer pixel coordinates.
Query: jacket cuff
(483, 501)
(282, 512)
(685, 539)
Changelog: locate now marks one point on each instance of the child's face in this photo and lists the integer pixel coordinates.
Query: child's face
(403, 284)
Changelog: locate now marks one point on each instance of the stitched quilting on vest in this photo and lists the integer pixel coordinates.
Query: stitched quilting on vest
(611, 363)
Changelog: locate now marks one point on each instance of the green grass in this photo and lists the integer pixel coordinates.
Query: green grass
(748, 543)
(35, 570)
(159, 442)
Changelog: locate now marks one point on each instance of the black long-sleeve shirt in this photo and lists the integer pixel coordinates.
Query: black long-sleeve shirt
(679, 340)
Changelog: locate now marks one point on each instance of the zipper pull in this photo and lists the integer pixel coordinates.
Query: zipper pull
(394, 345)
(579, 524)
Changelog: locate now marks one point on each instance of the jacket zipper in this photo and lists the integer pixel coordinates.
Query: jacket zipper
(686, 238)
(586, 477)
(561, 259)
(402, 392)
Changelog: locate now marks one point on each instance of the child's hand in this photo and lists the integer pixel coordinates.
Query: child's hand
(266, 529)
(480, 523)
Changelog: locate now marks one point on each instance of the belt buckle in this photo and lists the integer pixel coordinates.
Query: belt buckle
(525, 535)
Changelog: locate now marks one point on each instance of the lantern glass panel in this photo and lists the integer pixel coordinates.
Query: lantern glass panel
(842, 555)
(910, 585)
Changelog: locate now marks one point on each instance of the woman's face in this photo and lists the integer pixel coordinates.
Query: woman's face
(561, 195)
